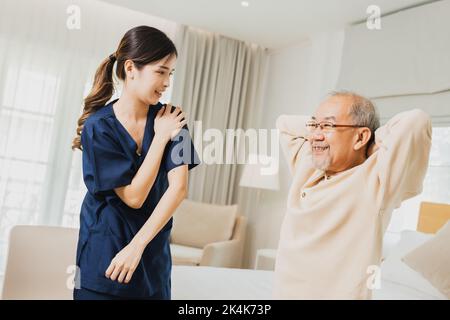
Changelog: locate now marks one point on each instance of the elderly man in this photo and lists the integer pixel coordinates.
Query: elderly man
(348, 177)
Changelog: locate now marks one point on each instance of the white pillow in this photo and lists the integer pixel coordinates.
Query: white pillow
(432, 260)
(395, 270)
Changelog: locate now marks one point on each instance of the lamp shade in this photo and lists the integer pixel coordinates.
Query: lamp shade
(260, 173)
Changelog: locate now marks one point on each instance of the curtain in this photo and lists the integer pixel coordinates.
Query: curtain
(49, 51)
(220, 82)
(408, 56)
(404, 65)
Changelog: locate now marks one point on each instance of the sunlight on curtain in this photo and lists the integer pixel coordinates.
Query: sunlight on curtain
(24, 147)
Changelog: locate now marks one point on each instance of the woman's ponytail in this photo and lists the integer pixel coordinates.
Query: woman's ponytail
(102, 90)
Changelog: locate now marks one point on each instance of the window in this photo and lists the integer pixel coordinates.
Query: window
(26, 122)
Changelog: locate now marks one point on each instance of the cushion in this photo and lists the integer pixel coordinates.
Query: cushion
(395, 270)
(432, 260)
(197, 224)
(182, 255)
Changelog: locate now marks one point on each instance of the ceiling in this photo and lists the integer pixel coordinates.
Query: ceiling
(270, 23)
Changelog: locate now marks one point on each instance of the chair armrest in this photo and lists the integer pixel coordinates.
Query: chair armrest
(226, 254)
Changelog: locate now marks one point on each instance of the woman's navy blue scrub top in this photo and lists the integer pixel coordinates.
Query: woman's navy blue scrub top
(107, 224)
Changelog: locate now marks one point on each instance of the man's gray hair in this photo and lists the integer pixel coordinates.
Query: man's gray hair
(362, 111)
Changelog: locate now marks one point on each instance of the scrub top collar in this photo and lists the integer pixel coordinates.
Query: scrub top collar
(131, 141)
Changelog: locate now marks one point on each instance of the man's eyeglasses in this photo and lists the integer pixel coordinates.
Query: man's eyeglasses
(327, 126)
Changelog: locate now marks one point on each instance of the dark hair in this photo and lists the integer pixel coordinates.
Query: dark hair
(142, 45)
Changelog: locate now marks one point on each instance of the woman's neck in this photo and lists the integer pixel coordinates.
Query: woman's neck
(130, 107)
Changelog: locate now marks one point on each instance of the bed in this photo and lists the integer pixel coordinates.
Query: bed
(209, 283)
(25, 262)
(398, 281)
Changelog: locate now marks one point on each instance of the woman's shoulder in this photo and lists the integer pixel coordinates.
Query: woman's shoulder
(158, 106)
(155, 108)
(100, 119)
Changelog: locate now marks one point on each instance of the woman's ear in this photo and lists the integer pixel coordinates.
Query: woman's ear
(130, 69)
(364, 135)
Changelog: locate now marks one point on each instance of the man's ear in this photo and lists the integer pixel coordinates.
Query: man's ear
(364, 135)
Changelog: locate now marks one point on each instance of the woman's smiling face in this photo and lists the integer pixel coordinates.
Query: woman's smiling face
(150, 82)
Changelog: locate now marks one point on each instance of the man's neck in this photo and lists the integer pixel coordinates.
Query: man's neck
(360, 160)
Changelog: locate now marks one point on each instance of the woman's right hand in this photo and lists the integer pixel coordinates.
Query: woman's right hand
(167, 123)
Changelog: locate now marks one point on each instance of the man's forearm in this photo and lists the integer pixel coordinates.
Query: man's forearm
(402, 158)
(292, 125)
(414, 123)
(293, 135)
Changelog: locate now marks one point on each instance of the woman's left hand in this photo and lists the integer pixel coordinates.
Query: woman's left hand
(125, 263)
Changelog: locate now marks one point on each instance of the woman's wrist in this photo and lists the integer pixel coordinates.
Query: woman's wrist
(159, 138)
(139, 241)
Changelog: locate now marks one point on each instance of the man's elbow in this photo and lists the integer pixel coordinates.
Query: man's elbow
(421, 119)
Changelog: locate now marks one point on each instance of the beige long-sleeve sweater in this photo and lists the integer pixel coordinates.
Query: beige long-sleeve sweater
(333, 228)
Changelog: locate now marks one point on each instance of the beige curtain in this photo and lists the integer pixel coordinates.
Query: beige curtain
(218, 81)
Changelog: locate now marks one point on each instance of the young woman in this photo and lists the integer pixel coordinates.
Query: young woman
(134, 176)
